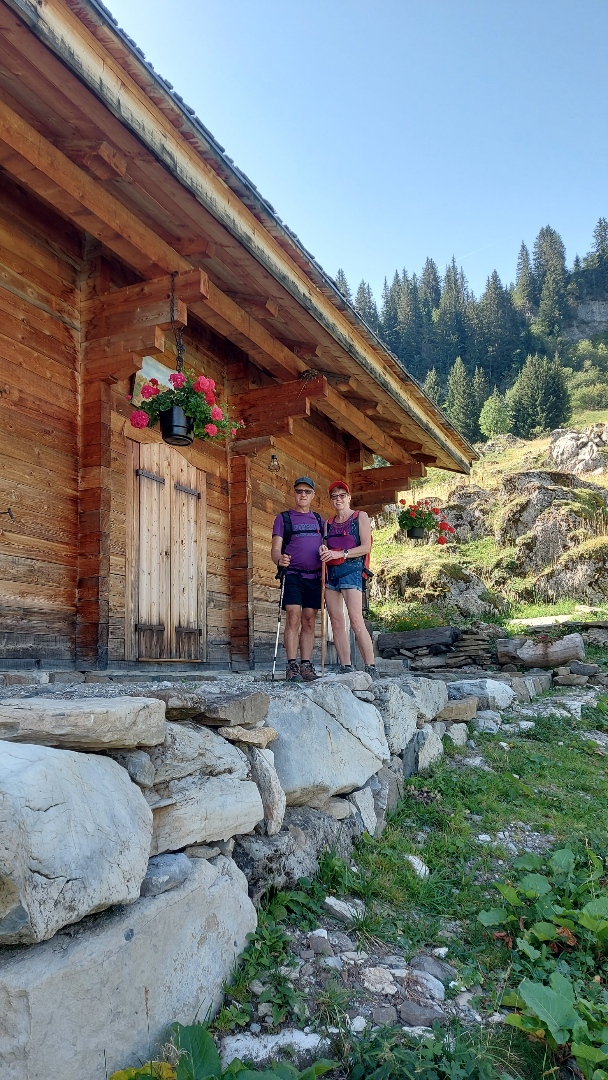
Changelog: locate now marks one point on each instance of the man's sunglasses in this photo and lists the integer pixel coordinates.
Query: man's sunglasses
(304, 491)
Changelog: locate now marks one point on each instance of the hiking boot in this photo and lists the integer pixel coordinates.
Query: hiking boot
(345, 669)
(307, 671)
(292, 671)
(372, 670)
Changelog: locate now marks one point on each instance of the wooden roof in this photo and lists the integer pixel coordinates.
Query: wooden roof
(89, 126)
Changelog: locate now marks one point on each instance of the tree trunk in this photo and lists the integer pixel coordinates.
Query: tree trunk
(545, 654)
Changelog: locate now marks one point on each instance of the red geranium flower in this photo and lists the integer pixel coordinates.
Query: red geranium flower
(401, 502)
(153, 382)
(441, 540)
(451, 529)
(443, 525)
(435, 510)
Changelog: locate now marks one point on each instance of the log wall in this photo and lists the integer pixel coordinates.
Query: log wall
(40, 273)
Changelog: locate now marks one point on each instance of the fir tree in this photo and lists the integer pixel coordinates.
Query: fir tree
(594, 275)
(450, 319)
(343, 286)
(549, 254)
(432, 386)
(553, 307)
(389, 314)
(365, 305)
(460, 404)
(495, 417)
(539, 399)
(410, 326)
(480, 387)
(430, 285)
(523, 294)
(502, 331)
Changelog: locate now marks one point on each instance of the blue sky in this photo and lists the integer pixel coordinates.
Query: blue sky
(387, 131)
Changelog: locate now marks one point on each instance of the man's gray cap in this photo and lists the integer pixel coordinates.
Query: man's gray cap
(304, 480)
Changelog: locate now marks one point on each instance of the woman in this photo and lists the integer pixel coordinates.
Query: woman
(348, 540)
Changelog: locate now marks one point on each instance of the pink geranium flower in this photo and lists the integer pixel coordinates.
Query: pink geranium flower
(177, 380)
(138, 418)
(211, 430)
(233, 431)
(201, 385)
(210, 397)
(148, 391)
(216, 413)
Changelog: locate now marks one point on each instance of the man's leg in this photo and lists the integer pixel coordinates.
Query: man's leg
(293, 620)
(307, 633)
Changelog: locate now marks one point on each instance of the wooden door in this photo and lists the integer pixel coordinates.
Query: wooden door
(168, 545)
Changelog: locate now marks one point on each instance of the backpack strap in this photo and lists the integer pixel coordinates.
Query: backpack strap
(287, 529)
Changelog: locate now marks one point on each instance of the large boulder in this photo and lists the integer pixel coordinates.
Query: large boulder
(359, 717)
(468, 510)
(580, 451)
(190, 748)
(210, 705)
(83, 723)
(197, 809)
(582, 572)
(430, 695)
(74, 838)
(316, 755)
(490, 693)
(162, 959)
(399, 711)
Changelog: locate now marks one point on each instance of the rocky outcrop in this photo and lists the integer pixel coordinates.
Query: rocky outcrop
(162, 958)
(469, 510)
(582, 572)
(580, 451)
(74, 838)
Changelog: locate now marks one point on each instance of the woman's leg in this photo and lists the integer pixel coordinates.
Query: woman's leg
(353, 599)
(335, 607)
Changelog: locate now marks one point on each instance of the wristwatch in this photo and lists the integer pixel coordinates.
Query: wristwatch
(346, 553)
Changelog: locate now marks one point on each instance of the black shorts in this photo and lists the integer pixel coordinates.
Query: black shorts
(305, 592)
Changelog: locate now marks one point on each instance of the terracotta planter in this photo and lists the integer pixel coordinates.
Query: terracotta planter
(176, 428)
(416, 533)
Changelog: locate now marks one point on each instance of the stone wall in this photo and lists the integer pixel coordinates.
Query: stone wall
(137, 832)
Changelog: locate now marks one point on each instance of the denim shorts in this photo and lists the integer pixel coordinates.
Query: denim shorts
(348, 575)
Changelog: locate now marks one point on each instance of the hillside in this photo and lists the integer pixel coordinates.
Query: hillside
(531, 537)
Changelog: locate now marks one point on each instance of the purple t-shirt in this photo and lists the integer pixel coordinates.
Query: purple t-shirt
(305, 541)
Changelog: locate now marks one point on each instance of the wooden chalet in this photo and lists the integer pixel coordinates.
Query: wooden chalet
(119, 548)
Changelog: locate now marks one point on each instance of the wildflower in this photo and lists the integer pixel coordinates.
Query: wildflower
(138, 418)
(177, 380)
(216, 413)
(211, 430)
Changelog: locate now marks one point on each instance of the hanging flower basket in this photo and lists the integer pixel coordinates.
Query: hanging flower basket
(176, 428)
(186, 412)
(421, 518)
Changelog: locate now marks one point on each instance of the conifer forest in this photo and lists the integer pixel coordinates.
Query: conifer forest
(504, 361)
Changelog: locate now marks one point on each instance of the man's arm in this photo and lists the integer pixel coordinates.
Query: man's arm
(275, 552)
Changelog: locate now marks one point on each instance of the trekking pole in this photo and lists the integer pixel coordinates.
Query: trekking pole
(323, 619)
(276, 644)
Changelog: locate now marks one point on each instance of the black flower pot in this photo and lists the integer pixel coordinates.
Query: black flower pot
(176, 428)
(416, 533)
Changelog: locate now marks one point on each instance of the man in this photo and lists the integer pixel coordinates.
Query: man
(296, 538)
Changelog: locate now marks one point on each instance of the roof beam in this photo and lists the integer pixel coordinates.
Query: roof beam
(350, 419)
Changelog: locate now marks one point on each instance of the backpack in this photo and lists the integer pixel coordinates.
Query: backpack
(366, 573)
(288, 528)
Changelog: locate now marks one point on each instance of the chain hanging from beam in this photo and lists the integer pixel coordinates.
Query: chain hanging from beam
(178, 331)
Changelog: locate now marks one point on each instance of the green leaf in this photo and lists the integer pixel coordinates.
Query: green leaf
(544, 931)
(512, 1000)
(528, 949)
(597, 907)
(201, 1058)
(562, 861)
(562, 986)
(528, 862)
(554, 1010)
(535, 885)
(318, 1069)
(493, 917)
(510, 894)
(524, 1023)
(589, 1053)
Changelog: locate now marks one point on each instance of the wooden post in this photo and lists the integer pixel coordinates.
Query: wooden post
(241, 563)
